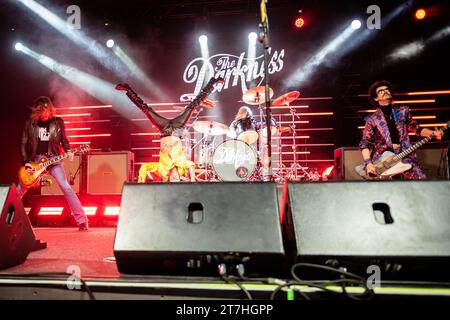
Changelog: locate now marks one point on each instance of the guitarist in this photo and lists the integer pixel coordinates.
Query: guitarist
(172, 161)
(387, 129)
(44, 135)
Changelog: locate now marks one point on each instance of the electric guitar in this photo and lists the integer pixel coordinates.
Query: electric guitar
(390, 164)
(39, 167)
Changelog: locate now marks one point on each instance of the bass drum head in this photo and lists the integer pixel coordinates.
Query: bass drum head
(234, 160)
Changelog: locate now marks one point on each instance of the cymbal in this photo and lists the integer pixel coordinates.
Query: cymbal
(286, 98)
(256, 95)
(212, 128)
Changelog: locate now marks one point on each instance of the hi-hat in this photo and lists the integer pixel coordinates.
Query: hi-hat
(286, 98)
(256, 95)
(212, 128)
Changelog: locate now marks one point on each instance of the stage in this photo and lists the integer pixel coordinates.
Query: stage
(45, 275)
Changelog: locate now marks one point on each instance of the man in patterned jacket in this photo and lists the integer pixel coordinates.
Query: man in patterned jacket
(387, 129)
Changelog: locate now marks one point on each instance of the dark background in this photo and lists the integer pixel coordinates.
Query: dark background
(161, 37)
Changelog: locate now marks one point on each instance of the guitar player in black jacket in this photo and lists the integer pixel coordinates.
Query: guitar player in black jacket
(44, 135)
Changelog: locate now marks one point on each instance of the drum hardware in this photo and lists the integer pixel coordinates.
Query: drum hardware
(296, 171)
(208, 129)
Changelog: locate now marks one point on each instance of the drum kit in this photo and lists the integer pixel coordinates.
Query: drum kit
(242, 156)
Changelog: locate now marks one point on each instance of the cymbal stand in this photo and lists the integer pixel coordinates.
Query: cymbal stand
(295, 167)
(262, 145)
(280, 175)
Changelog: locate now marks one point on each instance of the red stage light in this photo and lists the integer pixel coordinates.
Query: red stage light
(50, 211)
(112, 211)
(90, 211)
(327, 172)
(299, 22)
(420, 14)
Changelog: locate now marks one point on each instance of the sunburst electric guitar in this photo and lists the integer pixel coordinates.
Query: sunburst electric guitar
(29, 179)
(391, 164)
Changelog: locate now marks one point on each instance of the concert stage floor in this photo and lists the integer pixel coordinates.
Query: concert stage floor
(44, 276)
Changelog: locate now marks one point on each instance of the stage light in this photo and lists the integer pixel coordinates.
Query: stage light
(299, 22)
(327, 173)
(203, 39)
(50, 211)
(252, 36)
(90, 211)
(18, 46)
(356, 24)
(420, 14)
(112, 211)
(110, 43)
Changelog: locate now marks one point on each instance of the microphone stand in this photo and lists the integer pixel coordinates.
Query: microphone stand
(264, 39)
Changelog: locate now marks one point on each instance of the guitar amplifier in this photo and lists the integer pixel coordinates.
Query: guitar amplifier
(345, 161)
(108, 171)
(50, 187)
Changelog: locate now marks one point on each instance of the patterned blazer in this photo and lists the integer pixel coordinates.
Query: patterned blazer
(376, 133)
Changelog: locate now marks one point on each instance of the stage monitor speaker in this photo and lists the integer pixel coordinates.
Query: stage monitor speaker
(433, 161)
(403, 227)
(107, 171)
(16, 235)
(192, 229)
(73, 174)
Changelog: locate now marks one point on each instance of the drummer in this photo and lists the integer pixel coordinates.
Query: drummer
(244, 126)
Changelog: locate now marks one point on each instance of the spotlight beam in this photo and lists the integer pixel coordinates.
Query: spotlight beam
(311, 65)
(97, 50)
(137, 73)
(96, 87)
(412, 49)
(78, 37)
(357, 39)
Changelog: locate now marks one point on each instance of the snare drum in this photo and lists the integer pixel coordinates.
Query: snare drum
(234, 160)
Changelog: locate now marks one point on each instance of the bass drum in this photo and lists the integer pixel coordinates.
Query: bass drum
(234, 160)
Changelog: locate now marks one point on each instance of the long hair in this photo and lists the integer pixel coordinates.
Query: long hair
(373, 91)
(41, 105)
(243, 112)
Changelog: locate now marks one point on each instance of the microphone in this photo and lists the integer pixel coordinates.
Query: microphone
(123, 86)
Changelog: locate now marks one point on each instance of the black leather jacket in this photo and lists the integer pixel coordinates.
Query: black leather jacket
(57, 139)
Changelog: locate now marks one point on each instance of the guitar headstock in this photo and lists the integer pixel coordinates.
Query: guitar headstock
(83, 148)
(123, 87)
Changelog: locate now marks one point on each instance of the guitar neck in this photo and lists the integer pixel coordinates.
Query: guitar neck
(413, 148)
(57, 158)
